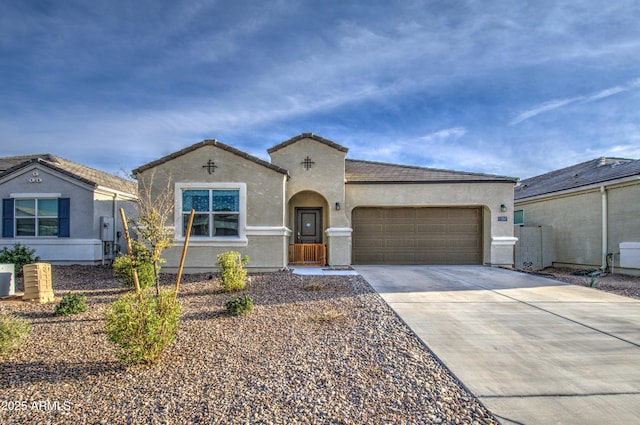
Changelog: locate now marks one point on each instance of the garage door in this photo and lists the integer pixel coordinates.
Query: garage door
(417, 236)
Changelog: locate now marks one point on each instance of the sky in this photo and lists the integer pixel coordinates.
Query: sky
(514, 88)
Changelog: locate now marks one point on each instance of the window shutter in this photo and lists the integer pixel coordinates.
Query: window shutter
(7, 218)
(64, 217)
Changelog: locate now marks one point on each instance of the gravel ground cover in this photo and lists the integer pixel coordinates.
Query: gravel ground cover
(627, 286)
(315, 350)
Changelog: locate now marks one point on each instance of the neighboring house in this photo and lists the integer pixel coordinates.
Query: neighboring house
(67, 212)
(592, 210)
(310, 205)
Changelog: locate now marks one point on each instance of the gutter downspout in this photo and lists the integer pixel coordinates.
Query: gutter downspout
(115, 225)
(605, 219)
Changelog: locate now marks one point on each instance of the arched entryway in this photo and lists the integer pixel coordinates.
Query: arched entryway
(308, 218)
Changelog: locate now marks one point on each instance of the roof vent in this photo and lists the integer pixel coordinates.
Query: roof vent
(602, 162)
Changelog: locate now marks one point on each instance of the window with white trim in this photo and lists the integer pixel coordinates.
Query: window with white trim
(36, 217)
(219, 210)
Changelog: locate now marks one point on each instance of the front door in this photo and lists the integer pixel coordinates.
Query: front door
(309, 225)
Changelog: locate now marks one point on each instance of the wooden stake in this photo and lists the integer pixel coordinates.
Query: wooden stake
(184, 251)
(134, 272)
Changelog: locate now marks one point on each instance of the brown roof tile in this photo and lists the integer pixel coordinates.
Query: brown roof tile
(362, 172)
(209, 142)
(307, 136)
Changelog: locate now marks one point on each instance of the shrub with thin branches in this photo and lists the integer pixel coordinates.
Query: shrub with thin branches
(13, 332)
(143, 325)
(233, 274)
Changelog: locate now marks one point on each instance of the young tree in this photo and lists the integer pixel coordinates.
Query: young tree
(155, 207)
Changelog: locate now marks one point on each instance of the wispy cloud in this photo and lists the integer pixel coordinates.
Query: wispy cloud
(410, 82)
(559, 103)
(447, 134)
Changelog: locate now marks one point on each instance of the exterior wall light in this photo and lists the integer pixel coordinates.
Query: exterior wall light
(337, 206)
(503, 208)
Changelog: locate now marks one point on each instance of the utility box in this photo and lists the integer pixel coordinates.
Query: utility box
(534, 249)
(37, 283)
(630, 255)
(106, 228)
(7, 280)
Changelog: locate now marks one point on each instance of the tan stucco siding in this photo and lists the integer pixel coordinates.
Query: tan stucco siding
(325, 176)
(264, 252)
(624, 215)
(576, 223)
(489, 196)
(265, 187)
(265, 232)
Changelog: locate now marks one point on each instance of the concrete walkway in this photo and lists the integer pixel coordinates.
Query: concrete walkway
(533, 350)
(322, 271)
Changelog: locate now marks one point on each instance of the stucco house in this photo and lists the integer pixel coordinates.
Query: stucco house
(310, 205)
(67, 212)
(591, 211)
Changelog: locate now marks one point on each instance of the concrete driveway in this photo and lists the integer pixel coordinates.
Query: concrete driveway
(533, 350)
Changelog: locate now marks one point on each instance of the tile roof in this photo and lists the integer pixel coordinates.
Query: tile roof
(209, 142)
(361, 172)
(307, 136)
(72, 169)
(599, 170)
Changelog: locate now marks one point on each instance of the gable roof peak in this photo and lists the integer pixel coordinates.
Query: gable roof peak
(209, 142)
(83, 173)
(308, 136)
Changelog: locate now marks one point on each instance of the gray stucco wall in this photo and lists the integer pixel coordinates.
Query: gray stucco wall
(87, 204)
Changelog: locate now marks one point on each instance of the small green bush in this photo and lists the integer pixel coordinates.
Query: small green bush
(19, 255)
(233, 274)
(313, 285)
(71, 304)
(238, 306)
(142, 328)
(591, 281)
(143, 263)
(13, 332)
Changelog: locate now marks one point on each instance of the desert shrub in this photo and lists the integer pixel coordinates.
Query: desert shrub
(142, 261)
(71, 304)
(143, 325)
(329, 316)
(19, 255)
(313, 285)
(238, 306)
(233, 274)
(13, 332)
(590, 282)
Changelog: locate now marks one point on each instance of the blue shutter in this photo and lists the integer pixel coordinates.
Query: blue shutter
(64, 218)
(7, 218)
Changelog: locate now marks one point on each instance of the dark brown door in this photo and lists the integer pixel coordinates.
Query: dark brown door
(308, 225)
